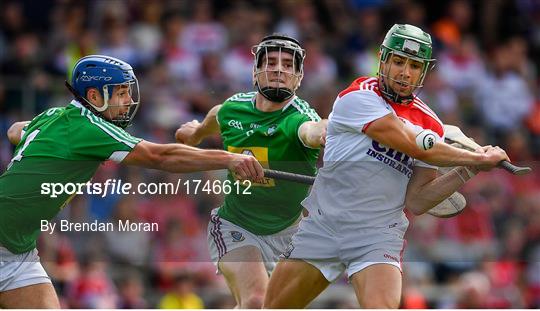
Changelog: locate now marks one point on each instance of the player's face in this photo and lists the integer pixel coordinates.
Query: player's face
(402, 74)
(278, 70)
(119, 102)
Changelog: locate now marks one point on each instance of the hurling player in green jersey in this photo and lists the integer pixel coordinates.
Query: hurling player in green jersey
(66, 145)
(248, 233)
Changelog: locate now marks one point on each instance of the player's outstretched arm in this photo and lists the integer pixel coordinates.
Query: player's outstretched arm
(313, 134)
(179, 158)
(393, 133)
(192, 133)
(14, 132)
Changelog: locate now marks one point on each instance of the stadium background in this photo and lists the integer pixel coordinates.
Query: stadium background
(191, 55)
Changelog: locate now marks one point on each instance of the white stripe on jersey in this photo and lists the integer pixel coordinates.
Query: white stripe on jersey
(428, 112)
(128, 143)
(113, 128)
(127, 139)
(368, 84)
(118, 156)
(421, 103)
(242, 97)
(304, 109)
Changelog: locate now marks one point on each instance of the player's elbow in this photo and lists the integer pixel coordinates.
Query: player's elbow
(11, 135)
(14, 132)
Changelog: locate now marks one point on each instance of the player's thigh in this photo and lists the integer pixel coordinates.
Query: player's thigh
(244, 271)
(37, 296)
(378, 286)
(294, 284)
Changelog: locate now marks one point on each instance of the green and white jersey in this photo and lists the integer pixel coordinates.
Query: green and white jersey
(272, 137)
(61, 145)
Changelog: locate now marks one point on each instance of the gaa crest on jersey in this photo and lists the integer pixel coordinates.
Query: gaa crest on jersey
(271, 130)
(236, 124)
(237, 236)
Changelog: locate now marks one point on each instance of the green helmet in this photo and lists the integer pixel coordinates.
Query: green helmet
(410, 42)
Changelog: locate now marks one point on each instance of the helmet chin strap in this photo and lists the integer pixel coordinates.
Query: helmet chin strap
(392, 95)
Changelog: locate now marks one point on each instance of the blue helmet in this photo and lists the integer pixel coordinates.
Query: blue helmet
(104, 73)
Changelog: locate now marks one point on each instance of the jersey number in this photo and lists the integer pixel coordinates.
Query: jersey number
(19, 154)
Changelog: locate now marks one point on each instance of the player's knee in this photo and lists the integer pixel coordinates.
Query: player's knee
(253, 301)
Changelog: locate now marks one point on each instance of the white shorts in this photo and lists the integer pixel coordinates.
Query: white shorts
(333, 251)
(224, 236)
(20, 270)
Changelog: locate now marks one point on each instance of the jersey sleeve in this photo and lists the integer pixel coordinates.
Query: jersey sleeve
(221, 112)
(356, 110)
(293, 123)
(97, 139)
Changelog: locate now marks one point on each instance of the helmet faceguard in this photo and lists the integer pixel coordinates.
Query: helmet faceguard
(261, 70)
(412, 44)
(106, 74)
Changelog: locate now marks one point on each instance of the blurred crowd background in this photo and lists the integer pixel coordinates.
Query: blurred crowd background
(191, 55)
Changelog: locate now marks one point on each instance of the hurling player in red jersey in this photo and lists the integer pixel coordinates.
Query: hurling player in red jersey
(373, 170)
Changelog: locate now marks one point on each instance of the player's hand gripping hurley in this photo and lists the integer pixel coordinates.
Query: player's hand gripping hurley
(453, 134)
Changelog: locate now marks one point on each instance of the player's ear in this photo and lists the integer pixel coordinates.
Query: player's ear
(93, 96)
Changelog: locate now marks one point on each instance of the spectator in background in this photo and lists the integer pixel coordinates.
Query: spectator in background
(459, 15)
(442, 98)
(238, 62)
(93, 289)
(320, 70)
(182, 295)
(203, 34)
(473, 291)
(127, 247)
(69, 39)
(117, 42)
(12, 22)
(59, 260)
(176, 253)
(84, 44)
(461, 66)
(532, 278)
(503, 98)
(519, 49)
(183, 65)
(363, 43)
(300, 18)
(131, 292)
(24, 56)
(145, 33)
